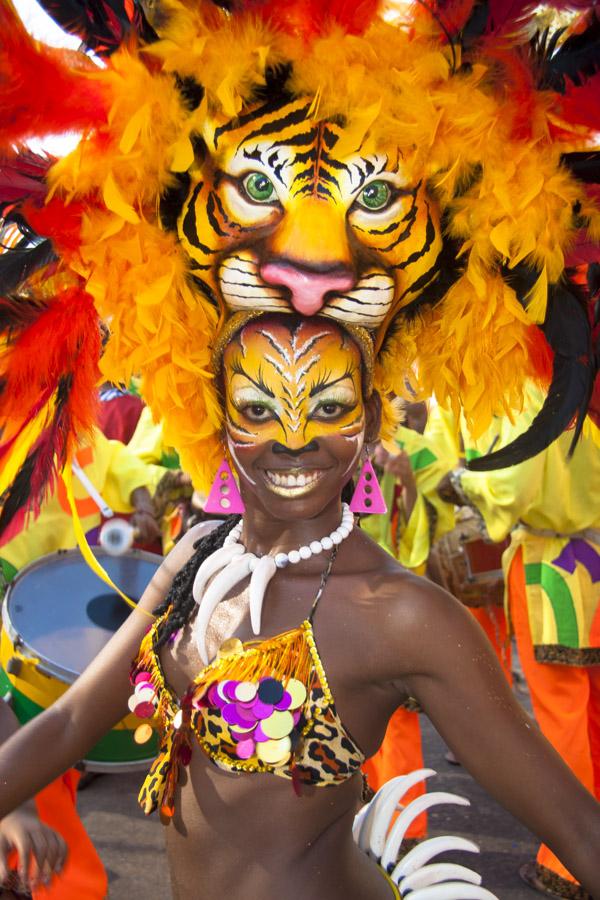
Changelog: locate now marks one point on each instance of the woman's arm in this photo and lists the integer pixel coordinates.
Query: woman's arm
(60, 736)
(455, 676)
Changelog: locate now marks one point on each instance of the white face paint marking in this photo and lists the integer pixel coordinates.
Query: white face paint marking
(240, 468)
(359, 440)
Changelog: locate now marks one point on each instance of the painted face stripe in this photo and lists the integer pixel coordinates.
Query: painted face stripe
(189, 226)
(212, 219)
(267, 110)
(227, 220)
(430, 234)
(305, 139)
(295, 117)
(426, 279)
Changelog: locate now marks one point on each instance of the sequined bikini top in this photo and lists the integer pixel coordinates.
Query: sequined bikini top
(260, 706)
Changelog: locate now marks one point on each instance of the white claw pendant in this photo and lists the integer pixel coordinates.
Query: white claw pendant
(264, 570)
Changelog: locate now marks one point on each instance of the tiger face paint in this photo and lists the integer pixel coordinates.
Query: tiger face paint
(295, 417)
(281, 218)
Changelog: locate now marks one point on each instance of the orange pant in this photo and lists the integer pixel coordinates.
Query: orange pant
(83, 877)
(493, 622)
(400, 753)
(566, 703)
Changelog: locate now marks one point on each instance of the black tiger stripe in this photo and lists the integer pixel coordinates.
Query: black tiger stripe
(257, 285)
(268, 109)
(299, 140)
(323, 191)
(335, 306)
(206, 290)
(229, 222)
(295, 117)
(425, 279)
(189, 223)
(430, 234)
(212, 219)
(404, 235)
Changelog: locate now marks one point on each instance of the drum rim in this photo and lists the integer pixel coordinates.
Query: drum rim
(46, 666)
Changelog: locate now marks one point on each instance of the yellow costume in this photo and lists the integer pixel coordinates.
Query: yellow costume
(550, 506)
(113, 470)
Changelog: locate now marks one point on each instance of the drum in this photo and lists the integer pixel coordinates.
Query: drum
(57, 615)
(467, 564)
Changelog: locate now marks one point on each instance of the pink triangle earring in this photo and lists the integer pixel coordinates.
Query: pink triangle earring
(224, 496)
(367, 496)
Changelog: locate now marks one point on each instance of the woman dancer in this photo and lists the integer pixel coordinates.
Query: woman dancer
(343, 622)
(342, 165)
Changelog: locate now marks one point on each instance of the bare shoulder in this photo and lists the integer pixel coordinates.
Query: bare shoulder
(416, 625)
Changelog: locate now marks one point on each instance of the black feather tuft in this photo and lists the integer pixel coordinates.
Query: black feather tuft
(568, 331)
(585, 166)
(102, 25)
(17, 497)
(574, 60)
(20, 262)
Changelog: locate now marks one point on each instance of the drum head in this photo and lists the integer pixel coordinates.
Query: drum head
(62, 613)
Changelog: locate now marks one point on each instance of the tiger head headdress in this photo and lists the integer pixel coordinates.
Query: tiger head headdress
(419, 175)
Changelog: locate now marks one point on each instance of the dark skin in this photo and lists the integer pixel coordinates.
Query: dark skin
(383, 635)
(41, 850)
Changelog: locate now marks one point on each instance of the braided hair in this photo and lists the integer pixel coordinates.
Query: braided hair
(180, 600)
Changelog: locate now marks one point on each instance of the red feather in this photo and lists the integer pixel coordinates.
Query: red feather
(580, 105)
(53, 358)
(541, 357)
(455, 14)
(309, 18)
(58, 220)
(42, 90)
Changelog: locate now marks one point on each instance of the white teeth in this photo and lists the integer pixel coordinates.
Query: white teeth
(291, 480)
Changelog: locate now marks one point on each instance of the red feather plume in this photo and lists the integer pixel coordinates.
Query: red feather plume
(49, 368)
(309, 18)
(42, 90)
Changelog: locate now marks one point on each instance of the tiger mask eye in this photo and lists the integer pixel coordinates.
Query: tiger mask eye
(376, 196)
(259, 188)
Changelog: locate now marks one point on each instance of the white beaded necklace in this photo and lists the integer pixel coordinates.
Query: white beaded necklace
(231, 564)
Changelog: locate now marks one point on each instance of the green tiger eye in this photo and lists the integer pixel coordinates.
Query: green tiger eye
(376, 195)
(259, 187)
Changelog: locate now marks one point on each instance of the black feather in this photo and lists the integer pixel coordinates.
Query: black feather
(102, 25)
(584, 165)
(568, 331)
(16, 498)
(575, 60)
(19, 263)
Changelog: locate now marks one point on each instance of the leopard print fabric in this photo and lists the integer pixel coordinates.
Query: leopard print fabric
(323, 753)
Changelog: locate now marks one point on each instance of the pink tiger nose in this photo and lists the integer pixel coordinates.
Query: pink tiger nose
(308, 288)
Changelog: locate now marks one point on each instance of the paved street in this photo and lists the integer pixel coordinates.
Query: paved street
(132, 845)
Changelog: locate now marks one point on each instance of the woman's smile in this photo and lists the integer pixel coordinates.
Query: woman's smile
(293, 482)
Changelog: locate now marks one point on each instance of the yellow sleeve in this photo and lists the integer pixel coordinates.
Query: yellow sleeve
(414, 545)
(504, 495)
(147, 440)
(126, 472)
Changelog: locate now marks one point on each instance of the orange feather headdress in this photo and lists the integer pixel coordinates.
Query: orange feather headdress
(500, 120)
